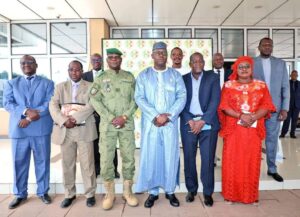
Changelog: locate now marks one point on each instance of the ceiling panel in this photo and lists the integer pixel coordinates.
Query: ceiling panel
(250, 12)
(176, 12)
(51, 9)
(93, 9)
(131, 13)
(285, 15)
(13, 10)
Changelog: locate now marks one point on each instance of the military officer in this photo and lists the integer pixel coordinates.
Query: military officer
(112, 96)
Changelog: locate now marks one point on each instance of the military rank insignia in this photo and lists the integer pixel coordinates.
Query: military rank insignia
(94, 91)
(107, 85)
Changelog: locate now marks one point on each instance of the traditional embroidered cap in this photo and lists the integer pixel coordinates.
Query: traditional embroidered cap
(159, 45)
(113, 51)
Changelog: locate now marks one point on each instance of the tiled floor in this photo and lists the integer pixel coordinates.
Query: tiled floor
(279, 203)
(282, 201)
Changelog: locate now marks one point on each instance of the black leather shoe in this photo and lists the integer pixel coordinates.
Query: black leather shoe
(67, 202)
(173, 200)
(90, 201)
(150, 200)
(190, 197)
(276, 176)
(16, 202)
(46, 199)
(293, 136)
(208, 200)
(281, 136)
(117, 175)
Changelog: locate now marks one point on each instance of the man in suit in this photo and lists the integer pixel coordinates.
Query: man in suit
(218, 68)
(26, 98)
(198, 119)
(273, 71)
(74, 130)
(96, 61)
(294, 109)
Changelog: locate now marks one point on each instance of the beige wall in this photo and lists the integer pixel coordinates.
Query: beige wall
(98, 29)
(4, 122)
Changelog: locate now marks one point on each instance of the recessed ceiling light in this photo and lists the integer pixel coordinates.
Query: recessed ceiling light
(216, 6)
(50, 8)
(258, 6)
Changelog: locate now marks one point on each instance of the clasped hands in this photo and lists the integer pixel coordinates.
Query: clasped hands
(161, 119)
(119, 122)
(247, 120)
(70, 123)
(31, 115)
(196, 126)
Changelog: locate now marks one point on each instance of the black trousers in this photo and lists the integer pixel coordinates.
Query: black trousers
(293, 118)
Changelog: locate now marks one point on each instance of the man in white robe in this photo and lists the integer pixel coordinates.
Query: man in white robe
(161, 95)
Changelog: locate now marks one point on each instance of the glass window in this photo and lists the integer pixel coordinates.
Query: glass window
(179, 33)
(3, 40)
(68, 38)
(208, 33)
(4, 76)
(283, 42)
(42, 70)
(232, 41)
(153, 33)
(59, 67)
(125, 33)
(253, 38)
(29, 38)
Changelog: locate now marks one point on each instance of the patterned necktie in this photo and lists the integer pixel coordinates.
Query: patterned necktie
(29, 81)
(74, 91)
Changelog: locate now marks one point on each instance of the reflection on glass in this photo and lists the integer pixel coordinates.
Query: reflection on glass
(232, 41)
(29, 38)
(125, 33)
(254, 36)
(180, 33)
(3, 40)
(4, 76)
(43, 68)
(283, 42)
(59, 67)
(68, 38)
(153, 33)
(208, 33)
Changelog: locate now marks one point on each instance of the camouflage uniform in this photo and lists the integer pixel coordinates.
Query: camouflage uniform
(112, 95)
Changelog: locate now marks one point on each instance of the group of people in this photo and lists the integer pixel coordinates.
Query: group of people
(254, 100)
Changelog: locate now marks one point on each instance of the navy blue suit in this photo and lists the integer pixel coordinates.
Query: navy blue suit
(294, 109)
(35, 137)
(209, 98)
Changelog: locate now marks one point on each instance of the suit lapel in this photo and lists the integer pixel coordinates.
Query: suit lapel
(23, 86)
(189, 87)
(202, 88)
(273, 75)
(82, 87)
(260, 69)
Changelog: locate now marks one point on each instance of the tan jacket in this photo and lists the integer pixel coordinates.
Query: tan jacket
(63, 94)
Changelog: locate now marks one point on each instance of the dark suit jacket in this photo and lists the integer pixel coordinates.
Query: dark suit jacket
(227, 73)
(209, 98)
(88, 76)
(295, 95)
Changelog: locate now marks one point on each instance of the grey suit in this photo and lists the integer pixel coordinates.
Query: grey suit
(280, 92)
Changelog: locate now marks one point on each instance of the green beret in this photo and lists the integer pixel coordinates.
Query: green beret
(113, 51)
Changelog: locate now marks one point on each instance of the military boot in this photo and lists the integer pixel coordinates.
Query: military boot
(109, 198)
(127, 193)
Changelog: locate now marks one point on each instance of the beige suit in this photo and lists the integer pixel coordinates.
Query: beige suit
(78, 139)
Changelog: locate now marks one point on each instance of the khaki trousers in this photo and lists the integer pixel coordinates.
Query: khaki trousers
(69, 149)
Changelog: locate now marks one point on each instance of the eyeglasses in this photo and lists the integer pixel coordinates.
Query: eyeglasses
(29, 62)
(161, 53)
(241, 67)
(96, 60)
